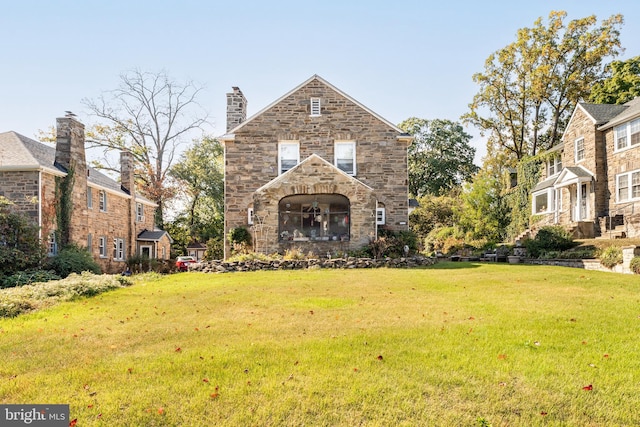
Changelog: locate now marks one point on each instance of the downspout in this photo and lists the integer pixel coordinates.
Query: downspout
(40, 205)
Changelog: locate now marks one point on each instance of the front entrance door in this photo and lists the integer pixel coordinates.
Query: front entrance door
(583, 202)
(145, 251)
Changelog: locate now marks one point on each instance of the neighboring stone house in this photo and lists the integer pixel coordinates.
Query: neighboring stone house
(591, 181)
(315, 170)
(106, 217)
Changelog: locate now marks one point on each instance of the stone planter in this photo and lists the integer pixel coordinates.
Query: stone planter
(514, 259)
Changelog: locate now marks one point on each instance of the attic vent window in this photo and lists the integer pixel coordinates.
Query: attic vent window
(315, 107)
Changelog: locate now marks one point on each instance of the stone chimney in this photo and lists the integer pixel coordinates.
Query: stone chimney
(126, 172)
(70, 144)
(236, 108)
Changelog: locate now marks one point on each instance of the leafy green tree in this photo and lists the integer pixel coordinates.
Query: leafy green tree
(622, 85)
(149, 115)
(440, 157)
(484, 214)
(434, 212)
(200, 174)
(530, 87)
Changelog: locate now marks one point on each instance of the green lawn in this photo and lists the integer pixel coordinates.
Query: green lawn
(456, 344)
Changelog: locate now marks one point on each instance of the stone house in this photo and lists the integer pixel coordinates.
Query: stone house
(106, 217)
(591, 181)
(315, 170)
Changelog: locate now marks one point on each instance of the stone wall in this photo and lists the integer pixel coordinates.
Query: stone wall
(628, 253)
(251, 159)
(21, 187)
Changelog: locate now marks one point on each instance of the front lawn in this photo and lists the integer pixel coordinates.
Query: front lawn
(455, 344)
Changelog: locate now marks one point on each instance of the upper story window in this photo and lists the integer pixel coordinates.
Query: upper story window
(89, 198)
(628, 186)
(288, 156)
(345, 156)
(139, 212)
(627, 135)
(315, 106)
(102, 200)
(579, 152)
(554, 165)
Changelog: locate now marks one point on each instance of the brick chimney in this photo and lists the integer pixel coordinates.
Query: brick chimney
(236, 108)
(126, 172)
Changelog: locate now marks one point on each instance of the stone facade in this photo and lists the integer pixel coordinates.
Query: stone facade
(30, 176)
(594, 125)
(251, 162)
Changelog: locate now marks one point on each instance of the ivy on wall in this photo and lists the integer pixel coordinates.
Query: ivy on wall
(64, 207)
(519, 200)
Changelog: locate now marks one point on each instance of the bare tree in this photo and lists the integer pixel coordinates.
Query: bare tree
(149, 115)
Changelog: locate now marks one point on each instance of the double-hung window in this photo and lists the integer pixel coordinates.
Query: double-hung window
(118, 249)
(627, 135)
(89, 198)
(102, 200)
(554, 166)
(52, 245)
(579, 149)
(139, 212)
(102, 246)
(628, 186)
(345, 156)
(288, 155)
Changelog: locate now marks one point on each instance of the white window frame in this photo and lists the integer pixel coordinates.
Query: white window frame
(554, 166)
(381, 216)
(102, 198)
(102, 247)
(577, 152)
(335, 155)
(315, 110)
(551, 205)
(250, 216)
(118, 249)
(282, 145)
(89, 198)
(629, 186)
(626, 132)
(139, 212)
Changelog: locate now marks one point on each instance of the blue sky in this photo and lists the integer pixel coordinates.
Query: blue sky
(400, 58)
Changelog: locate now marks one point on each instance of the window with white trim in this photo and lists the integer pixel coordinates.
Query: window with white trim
(579, 152)
(380, 216)
(627, 135)
(139, 212)
(118, 249)
(102, 198)
(102, 246)
(345, 156)
(554, 165)
(628, 186)
(315, 107)
(250, 216)
(288, 155)
(89, 198)
(546, 201)
(314, 217)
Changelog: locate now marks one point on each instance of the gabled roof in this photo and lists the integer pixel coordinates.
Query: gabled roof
(153, 235)
(17, 152)
(602, 113)
(572, 175)
(630, 110)
(294, 170)
(196, 245)
(230, 133)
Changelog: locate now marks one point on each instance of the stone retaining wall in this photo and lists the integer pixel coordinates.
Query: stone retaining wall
(338, 263)
(628, 253)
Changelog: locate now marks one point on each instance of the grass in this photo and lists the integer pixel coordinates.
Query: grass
(455, 344)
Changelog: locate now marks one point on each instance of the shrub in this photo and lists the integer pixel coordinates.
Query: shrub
(73, 259)
(549, 238)
(611, 256)
(634, 265)
(240, 236)
(446, 240)
(215, 249)
(28, 277)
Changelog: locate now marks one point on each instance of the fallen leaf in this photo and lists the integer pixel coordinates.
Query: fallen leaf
(502, 356)
(606, 356)
(543, 413)
(161, 410)
(205, 380)
(214, 395)
(130, 370)
(178, 349)
(588, 387)
(73, 422)
(380, 357)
